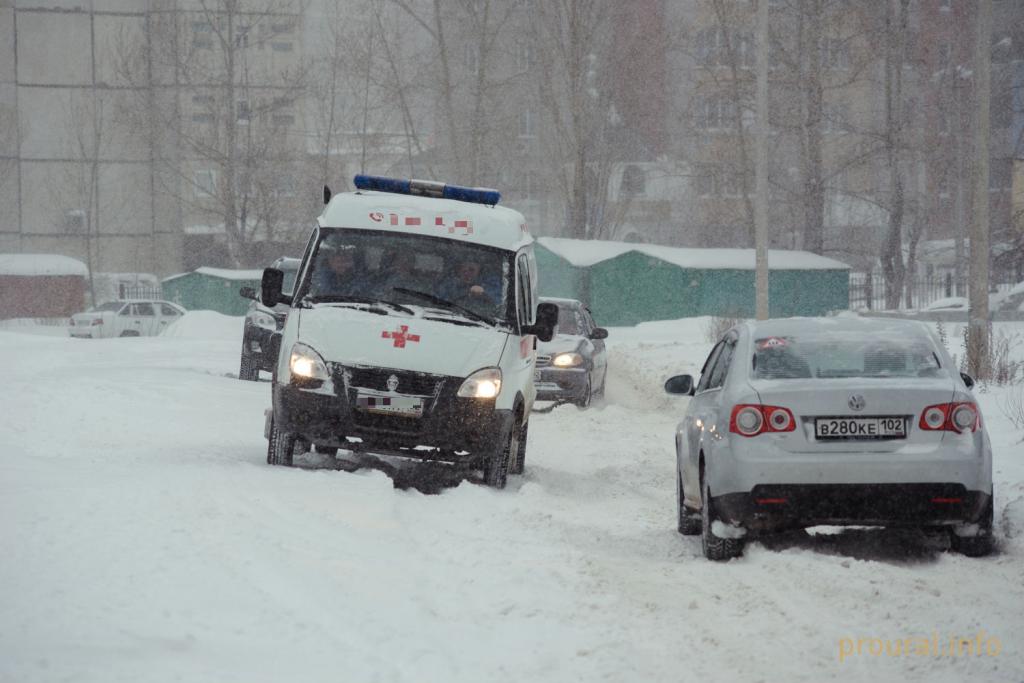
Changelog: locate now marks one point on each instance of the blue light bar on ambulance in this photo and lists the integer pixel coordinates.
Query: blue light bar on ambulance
(428, 188)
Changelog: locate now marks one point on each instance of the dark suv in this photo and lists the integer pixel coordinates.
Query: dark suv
(572, 366)
(261, 340)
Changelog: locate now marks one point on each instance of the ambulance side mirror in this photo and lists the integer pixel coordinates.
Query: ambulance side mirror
(271, 286)
(547, 319)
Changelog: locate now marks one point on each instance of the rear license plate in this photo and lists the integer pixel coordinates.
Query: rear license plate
(404, 406)
(860, 428)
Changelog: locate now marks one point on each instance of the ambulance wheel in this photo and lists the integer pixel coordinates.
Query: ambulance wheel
(247, 369)
(280, 447)
(497, 464)
(518, 463)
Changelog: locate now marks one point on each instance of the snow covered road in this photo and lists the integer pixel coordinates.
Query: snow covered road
(146, 539)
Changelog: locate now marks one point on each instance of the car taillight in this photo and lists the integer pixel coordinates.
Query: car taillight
(950, 417)
(751, 420)
(97, 321)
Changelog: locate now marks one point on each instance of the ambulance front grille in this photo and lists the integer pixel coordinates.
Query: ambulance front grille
(409, 383)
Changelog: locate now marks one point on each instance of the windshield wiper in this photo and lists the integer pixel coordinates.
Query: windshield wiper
(444, 303)
(346, 299)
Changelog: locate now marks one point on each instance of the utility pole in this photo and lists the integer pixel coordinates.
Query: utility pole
(977, 346)
(761, 165)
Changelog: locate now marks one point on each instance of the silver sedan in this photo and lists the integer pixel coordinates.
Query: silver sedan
(839, 421)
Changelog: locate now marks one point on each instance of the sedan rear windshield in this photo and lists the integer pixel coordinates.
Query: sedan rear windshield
(824, 358)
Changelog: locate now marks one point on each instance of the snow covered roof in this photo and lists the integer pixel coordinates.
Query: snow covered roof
(41, 264)
(222, 273)
(585, 253)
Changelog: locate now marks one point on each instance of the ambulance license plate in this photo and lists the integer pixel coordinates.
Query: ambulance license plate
(403, 406)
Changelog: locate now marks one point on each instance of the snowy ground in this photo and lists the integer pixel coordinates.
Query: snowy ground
(146, 539)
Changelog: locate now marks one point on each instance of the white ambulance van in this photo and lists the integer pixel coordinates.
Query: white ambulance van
(411, 330)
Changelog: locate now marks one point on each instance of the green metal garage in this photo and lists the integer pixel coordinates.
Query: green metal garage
(625, 283)
(211, 289)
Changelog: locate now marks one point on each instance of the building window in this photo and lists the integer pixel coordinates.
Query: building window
(834, 119)
(203, 100)
(527, 123)
(714, 181)
(529, 185)
(205, 183)
(524, 56)
(242, 36)
(282, 46)
(715, 113)
(714, 45)
(286, 186)
(634, 181)
(283, 119)
(945, 5)
(202, 117)
(202, 38)
(835, 53)
(243, 112)
(945, 55)
(471, 57)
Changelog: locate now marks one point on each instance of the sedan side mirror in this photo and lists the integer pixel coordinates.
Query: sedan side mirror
(681, 385)
(247, 293)
(599, 333)
(968, 380)
(547, 319)
(270, 287)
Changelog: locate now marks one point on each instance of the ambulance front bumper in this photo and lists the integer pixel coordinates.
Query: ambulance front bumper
(450, 428)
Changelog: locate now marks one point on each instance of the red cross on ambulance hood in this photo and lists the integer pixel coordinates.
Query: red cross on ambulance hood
(350, 336)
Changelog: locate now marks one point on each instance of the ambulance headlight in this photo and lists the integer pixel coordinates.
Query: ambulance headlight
(484, 383)
(306, 364)
(567, 360)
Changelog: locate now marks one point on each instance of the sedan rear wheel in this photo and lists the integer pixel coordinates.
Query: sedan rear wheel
(688, 522)
(715, 547)
(979, 545)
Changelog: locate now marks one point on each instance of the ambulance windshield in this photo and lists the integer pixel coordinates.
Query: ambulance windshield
(455, 277)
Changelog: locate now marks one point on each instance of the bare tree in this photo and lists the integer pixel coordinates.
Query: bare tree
(78, 192)
(571, 39)
(220, 112)
(978, 360)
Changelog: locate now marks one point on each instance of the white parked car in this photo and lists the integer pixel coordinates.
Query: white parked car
(808, 421)
(125, 319)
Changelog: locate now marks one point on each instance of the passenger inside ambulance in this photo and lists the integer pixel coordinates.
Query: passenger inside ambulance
(338, 272)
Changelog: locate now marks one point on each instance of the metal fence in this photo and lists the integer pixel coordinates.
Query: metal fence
(868, 290)
(138, 292)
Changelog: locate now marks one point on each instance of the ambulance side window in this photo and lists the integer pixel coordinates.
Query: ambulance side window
(524, 290)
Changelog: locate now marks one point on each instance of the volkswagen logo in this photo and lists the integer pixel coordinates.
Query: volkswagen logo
(856, 402)
(393, 383)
